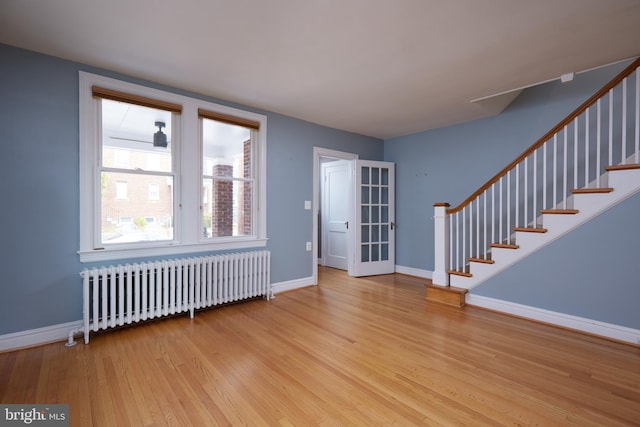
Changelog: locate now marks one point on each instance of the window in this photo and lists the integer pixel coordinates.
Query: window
(227, 175)
(139, 192)
(154, 192)
(121, 190)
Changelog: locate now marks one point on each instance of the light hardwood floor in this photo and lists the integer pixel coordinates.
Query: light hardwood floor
(355, 352)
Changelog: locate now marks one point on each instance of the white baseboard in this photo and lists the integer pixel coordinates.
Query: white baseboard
(620, 333)
(414, 272)
(37, 336)
(291, 284)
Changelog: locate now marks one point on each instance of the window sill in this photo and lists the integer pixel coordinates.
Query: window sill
(109, 254)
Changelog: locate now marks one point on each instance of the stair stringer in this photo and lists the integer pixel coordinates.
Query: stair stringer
(625, 183)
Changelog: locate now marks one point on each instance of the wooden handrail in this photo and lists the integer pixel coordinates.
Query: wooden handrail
(582, 108)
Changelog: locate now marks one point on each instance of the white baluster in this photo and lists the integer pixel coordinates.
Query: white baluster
(493, 214)
(637, 146)
(586, 151)
(598, 143)
(464, 236)
(500, 212)
(575, 152)
(484, 220)
(535, 188)
(458, 242)
(517, 199)
(564, 171)
(624, 121)
(610, 127)
(544, 175)
(478, 227)
(508, 231)
(526, 191)
(555, 171)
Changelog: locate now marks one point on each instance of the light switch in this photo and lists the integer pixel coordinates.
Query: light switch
(307, 204)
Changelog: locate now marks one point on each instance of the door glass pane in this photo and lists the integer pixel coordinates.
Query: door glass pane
(385, 214)
(375, 233)
(364, 234)
(374, 253)
(375, 176)
(365, 195)
(375, 195)
(365, 214)
(385, 233)
(384, 195)
(385, 252)
(375, 214)
(384, 172)
(365, 175)
(364, 253)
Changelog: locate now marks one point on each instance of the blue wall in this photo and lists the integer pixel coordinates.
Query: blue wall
(39, 219)
(591, 272)
(448, 164)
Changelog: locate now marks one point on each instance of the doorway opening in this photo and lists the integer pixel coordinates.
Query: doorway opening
(331, 208)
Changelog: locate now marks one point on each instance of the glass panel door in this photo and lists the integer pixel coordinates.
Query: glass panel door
(374, 218)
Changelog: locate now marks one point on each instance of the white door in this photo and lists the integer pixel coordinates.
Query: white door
(374, 218)
(335, 187)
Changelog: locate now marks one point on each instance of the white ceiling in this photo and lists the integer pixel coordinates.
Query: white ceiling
(382, 68)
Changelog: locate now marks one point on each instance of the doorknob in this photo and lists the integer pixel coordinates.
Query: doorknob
(392, 224)
(346, 224)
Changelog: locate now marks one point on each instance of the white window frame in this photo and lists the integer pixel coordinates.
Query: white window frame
(188, 181)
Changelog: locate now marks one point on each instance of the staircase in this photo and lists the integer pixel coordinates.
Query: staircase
(585, 165)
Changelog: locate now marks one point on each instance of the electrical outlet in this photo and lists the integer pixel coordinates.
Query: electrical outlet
(308, 246)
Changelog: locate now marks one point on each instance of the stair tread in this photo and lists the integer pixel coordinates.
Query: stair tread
(559, 211)
(460, 273)
(591, 190)
(623, 167)
(530, 229)
(504, 246)
(482, 260)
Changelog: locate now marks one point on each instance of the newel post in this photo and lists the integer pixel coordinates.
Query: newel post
(441, 242)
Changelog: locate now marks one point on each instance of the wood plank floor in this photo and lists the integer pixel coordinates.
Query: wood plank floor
(354, 352)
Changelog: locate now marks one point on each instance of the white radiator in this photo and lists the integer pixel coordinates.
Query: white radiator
(125, 294)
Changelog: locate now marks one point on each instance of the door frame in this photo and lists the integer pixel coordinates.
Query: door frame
(318, 154)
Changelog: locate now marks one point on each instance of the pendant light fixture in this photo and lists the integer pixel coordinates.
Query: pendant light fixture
(159, 138)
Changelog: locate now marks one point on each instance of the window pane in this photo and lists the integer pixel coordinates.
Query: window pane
(128, 215)
(129, 139)
(229, 211)
(226, 150)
